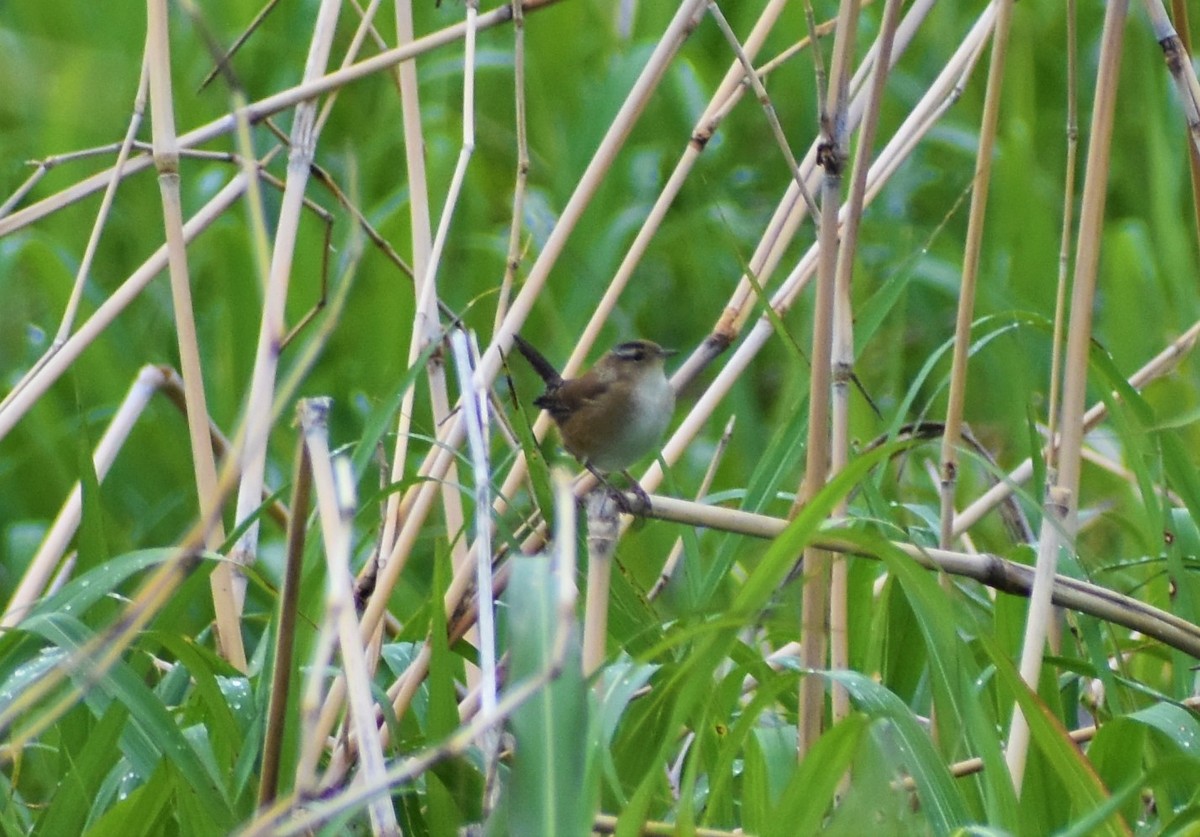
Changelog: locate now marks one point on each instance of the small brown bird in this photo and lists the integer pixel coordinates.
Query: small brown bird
(613, 414)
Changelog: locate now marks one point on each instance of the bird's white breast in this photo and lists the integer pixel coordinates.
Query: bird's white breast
(649, 413)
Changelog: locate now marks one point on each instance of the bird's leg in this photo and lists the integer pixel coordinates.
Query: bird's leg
(643, 497)
(643, 503)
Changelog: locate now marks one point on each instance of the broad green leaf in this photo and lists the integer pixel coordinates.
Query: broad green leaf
(941, 802)
(709, 766)
(80, 594)
(769, 762)
(217, 712)
(146, 809)
(1129, 796)
(621, 680)
(443, 705)
(152, 731)
(550, 730)
(738, 737)
(1181, 469)
(809, 794)
(954, 677)
(90, 759)
(690, 683)
(1178, 726)
(1084, 791)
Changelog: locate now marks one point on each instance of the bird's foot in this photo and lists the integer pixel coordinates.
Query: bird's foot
(640, 504)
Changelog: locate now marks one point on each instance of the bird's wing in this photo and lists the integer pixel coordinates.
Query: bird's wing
(562, 403)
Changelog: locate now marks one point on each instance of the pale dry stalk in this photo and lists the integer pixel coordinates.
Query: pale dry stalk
(58, 536)
(1065, 494)
(976, 219)
(1064, 247)
(603, 529)
(483, 635)
(1179, 64)
(1064, 261)
(989, 569)
(427, 309)
(422, 241)
(418, 501)
(842, 357)
(512, 262)
(1179, 8)
(166, 161)
(815, 596)
(334, 487)
(272, 330)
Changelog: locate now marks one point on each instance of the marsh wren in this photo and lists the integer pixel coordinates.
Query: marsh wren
(613, 414)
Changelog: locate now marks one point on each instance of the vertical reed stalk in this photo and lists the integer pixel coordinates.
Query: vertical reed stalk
(1065, 494)
(952, 435)
(166, 157)
(334, 488)
(422, 241)
(603, 527)
(285, 637)
(831, 155)
(842, 359)
(1064, 250)
(1179, 10)
(272, 329)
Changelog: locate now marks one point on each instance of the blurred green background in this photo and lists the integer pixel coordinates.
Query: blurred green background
(68, 73)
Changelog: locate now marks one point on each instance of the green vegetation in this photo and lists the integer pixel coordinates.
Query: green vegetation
(143, 691)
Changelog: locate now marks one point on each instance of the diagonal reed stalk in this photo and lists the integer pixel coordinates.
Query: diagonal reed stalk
(49, 554)
(345, 732)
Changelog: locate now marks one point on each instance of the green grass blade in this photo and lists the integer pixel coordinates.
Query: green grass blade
(546, 791)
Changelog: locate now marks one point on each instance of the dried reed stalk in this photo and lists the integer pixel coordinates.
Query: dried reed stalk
(1060, 521)
(952, 436)
(166, 161)
(832, 155)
